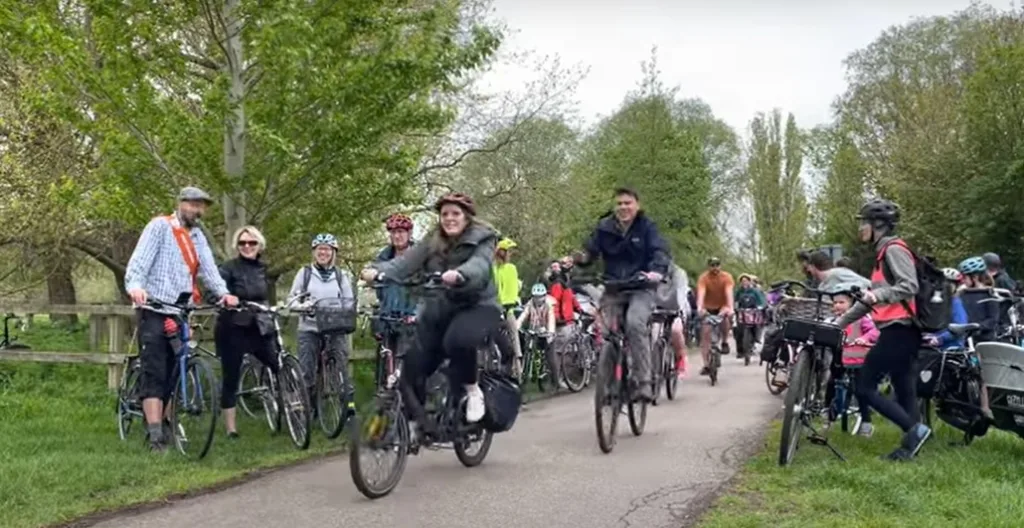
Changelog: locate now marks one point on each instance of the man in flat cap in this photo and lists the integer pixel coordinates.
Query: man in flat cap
(172, 253)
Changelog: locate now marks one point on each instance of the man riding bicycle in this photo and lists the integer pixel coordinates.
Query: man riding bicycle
(397, 300)
(630, 245)
(714, 297)
(171, 254)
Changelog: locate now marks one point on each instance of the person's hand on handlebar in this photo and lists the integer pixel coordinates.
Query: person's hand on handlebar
(138, 296)
(725, 312)
(229, 300)
(653, 276)
(701, 312)
(452, 278)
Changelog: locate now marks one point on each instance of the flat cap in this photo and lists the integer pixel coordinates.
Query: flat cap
(194, 194)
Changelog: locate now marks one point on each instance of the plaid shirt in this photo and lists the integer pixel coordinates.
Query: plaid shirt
(158, 267)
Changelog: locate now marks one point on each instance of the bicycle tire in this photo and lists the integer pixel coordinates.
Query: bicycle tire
(330, 386)
(671, 378)
(798, 389)
(248, 381)
(716, 363)
(127, 397)
(462, 452)
(573, 359)
(399, 427)
(637, 411)
(202, 403)
(657, 371)
(770, 369)
(606, 395)
(293, 403)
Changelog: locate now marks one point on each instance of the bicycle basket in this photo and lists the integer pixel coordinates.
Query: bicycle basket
(801, 308)
(335, 315)
(820, 334)
(750, 316)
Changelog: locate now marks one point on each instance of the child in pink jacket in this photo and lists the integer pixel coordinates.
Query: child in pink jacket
(859, 338)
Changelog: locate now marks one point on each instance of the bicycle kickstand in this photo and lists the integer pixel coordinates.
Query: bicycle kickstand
(818, 439)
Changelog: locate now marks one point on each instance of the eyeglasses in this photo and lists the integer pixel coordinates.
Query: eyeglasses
(248, 243)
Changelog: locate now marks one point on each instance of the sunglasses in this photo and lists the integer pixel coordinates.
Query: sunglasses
(248, 243)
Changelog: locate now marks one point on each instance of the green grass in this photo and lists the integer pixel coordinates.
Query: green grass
(61, 458)
(980, 485)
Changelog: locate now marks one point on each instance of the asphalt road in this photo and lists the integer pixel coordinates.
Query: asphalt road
(546, 473)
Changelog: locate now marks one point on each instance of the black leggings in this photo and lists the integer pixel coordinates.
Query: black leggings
(456, 335)
(233, 343)
(894, 354)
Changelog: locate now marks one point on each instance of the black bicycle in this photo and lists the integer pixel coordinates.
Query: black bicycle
(283, 397)
(664, 368)
(9, 341)
(614, 387)
(384, 427)
(950, 385)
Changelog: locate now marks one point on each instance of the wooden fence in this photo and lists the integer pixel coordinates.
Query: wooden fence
(111, 329)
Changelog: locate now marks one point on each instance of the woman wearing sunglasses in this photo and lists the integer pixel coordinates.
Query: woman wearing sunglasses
(242, 332)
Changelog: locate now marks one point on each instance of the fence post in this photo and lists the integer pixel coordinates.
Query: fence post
(115, 331)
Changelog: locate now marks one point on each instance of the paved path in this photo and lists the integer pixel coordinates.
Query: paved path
(546, 473)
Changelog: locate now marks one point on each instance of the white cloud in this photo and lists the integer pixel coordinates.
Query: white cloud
(740, 56)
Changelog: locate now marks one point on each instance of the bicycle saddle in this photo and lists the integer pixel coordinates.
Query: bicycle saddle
(961, 330)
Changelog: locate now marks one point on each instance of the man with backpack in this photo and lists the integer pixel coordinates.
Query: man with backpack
(323, 280)
(904, 300)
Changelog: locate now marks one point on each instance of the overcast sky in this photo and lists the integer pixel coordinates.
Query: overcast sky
(740, 56)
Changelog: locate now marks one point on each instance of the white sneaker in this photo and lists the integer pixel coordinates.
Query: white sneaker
(474, 403)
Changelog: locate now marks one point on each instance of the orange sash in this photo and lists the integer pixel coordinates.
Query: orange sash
(188, 252)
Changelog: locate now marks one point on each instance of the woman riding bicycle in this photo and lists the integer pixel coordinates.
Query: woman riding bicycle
(243, 332)
(461, 248)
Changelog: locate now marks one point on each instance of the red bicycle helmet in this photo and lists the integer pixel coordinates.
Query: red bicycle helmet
(398, 221)
(459, 199)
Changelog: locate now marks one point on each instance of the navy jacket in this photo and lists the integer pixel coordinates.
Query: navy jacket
(395, 300)
(641, 248)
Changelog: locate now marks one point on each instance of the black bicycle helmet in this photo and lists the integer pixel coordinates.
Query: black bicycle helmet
(992, 260)
(713, 261)
(880, 210)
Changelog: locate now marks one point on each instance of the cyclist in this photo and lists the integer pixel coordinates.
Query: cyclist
(539, 316)
(1000, 277)
(243, 332)
(715, 297)
(630, 244)
(322, 279)
(506, 280)
(945, 339)
(978, 287)
(749, 296)
(171, 254)
(456, 324)
(893, 301)
(671, 296)
(397, 300)
(566, 308)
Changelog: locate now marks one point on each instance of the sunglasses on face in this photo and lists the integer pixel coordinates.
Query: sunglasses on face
(248, 243)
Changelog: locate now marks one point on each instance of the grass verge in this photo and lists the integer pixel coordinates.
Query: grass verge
(61, 459)
(946, 485)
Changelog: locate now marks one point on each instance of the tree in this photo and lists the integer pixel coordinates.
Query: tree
(774, 161)
(265, 105)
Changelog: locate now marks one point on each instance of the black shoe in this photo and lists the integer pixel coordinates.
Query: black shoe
(915, 438)
(901, 454)
(233, 435)
(157, 446)
(705, 371)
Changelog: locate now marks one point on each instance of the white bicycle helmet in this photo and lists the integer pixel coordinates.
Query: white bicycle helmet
(324, 238)
(538, 290)
(952, 274)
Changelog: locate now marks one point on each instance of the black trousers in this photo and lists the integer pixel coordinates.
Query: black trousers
(233, 343)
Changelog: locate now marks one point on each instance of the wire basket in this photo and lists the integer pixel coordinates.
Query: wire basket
(802, 308)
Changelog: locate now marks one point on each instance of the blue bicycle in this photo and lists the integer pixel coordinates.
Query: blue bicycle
(191, 407)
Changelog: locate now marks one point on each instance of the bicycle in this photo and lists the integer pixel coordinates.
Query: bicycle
(9, 342)
(953, 390)
(193, 386)
(578, 359)
(385, 427)
(332, 405)
(535, 363)
(613, 386)
(283, 397)
(748, 320)
(715, 353)
(663, 358)
(1013, 332)
(816, 341)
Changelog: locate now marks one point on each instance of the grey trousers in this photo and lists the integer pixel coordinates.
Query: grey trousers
(638, 306)
(310, 344)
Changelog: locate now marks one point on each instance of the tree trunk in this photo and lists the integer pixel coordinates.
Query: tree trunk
(60, 289)
(235, 215)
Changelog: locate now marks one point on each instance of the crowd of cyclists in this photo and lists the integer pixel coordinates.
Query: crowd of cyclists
(481, 303)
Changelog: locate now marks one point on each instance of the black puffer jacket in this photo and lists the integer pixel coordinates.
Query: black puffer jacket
(247, 280)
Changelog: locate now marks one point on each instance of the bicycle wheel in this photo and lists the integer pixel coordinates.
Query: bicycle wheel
(471, 448)
(382, 430)
(796, 398)
(657, 370)
(607, 400)
(293, 401)
(248, 389)
(574, 368)
(747, 335)
(637, 416)
(716, 363)
(128, 405)
(671, 377)
(329, 395)
(194, 416)
(770, 370)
